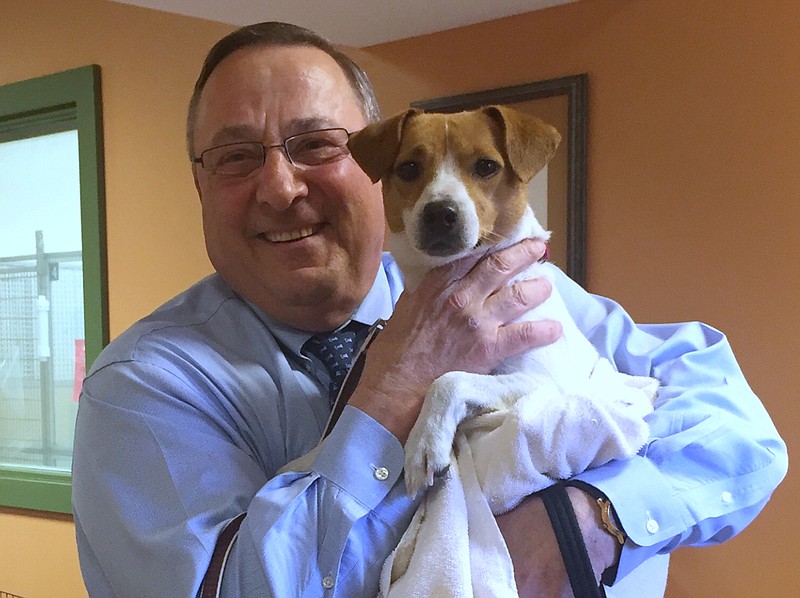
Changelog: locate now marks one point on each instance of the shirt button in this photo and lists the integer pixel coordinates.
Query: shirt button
(327, 582)
(727, 497)
(651, 526)
(381, 474)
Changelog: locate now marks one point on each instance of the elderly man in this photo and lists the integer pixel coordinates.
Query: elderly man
(186, 419)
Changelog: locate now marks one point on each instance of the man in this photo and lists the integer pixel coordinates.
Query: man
(187, 417)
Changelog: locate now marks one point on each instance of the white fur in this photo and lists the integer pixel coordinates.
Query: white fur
(405, 247)
(563, 367)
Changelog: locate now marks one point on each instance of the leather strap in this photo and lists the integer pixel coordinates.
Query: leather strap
(570, 542)
(352, 377)
(212, 582)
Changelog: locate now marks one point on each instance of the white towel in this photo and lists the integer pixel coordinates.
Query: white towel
(453, 547)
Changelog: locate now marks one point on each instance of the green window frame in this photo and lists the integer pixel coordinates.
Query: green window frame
(69, 100)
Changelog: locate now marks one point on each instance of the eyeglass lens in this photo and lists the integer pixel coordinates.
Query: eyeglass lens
(306, 149)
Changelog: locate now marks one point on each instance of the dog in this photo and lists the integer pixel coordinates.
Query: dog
(455, 185)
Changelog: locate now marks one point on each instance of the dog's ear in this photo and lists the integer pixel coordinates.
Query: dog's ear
(530, 142)
(375, 146)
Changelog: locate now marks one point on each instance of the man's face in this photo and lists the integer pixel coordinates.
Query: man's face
(302, 243)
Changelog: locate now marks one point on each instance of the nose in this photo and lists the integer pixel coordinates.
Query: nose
(440, 217)
(280, 183)
(441, 231)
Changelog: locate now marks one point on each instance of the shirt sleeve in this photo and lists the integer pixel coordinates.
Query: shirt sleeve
(713, 457)
(325, 532)
(158, 473)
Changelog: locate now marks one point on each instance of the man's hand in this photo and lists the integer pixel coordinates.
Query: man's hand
(538, 566)
(459, 318)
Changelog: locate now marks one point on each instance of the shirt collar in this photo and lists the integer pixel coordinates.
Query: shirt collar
(376, 305)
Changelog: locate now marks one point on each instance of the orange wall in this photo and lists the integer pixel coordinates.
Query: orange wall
(693, 191)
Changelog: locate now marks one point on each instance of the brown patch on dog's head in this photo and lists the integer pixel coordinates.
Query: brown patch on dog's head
(375, 146)
(529, 142)
(494, 152)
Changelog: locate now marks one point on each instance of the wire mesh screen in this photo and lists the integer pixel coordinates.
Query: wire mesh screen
(41, 323)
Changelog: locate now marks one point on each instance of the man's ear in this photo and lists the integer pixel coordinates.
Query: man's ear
(530, 142)
(375, 146)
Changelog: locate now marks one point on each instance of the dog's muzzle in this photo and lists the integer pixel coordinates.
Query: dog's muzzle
(441, 229)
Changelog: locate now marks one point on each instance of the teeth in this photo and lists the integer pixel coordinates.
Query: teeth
(289, 236)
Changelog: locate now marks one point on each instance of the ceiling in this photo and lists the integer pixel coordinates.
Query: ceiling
(355, 23)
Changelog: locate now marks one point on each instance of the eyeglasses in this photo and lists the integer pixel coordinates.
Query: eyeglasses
(311, 148)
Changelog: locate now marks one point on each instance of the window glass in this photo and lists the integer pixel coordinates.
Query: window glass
(41, 299)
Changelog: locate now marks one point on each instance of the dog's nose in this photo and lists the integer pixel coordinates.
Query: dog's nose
(441, 231)
(440, 217)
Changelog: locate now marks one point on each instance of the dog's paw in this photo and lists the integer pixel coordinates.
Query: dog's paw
(451, 398)
(428, 453)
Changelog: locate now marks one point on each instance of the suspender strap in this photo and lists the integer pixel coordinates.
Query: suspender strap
(353, 376)
(212, 582)
(570, 542)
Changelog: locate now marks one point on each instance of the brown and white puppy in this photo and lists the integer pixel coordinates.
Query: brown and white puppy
(453, 185)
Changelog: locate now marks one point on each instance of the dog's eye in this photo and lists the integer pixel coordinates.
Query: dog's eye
(486, 168)
(408, 171)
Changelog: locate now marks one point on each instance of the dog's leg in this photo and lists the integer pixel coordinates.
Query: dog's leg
(451, 399)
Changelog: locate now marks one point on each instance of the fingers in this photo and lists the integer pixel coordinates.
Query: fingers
(478, 277)
(481, 288)
(496, 269)
(511, 301)
(459, 318)
(486, 305)
(521, 336)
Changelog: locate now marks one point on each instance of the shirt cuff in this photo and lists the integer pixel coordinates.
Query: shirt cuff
(361, 457)
(644, 505)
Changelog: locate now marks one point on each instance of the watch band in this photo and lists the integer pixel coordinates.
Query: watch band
(570, 542)
(607, 514)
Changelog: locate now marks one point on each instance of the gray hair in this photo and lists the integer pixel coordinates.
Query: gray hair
(273, 33)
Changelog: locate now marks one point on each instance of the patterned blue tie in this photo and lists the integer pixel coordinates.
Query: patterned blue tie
(336, 350)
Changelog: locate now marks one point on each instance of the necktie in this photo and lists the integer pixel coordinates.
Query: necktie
(336, 350)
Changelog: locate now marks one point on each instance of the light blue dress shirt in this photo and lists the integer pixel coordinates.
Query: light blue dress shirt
(185, 419)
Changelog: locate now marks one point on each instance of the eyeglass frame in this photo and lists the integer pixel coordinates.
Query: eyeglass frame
(282, 145)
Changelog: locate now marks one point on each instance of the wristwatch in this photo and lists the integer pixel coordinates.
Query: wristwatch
(607, 514)
(609, 519)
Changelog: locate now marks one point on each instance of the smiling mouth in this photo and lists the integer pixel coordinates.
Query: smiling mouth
(285, 237)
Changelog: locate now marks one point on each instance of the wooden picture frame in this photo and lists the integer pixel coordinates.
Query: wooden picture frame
(563, 103)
